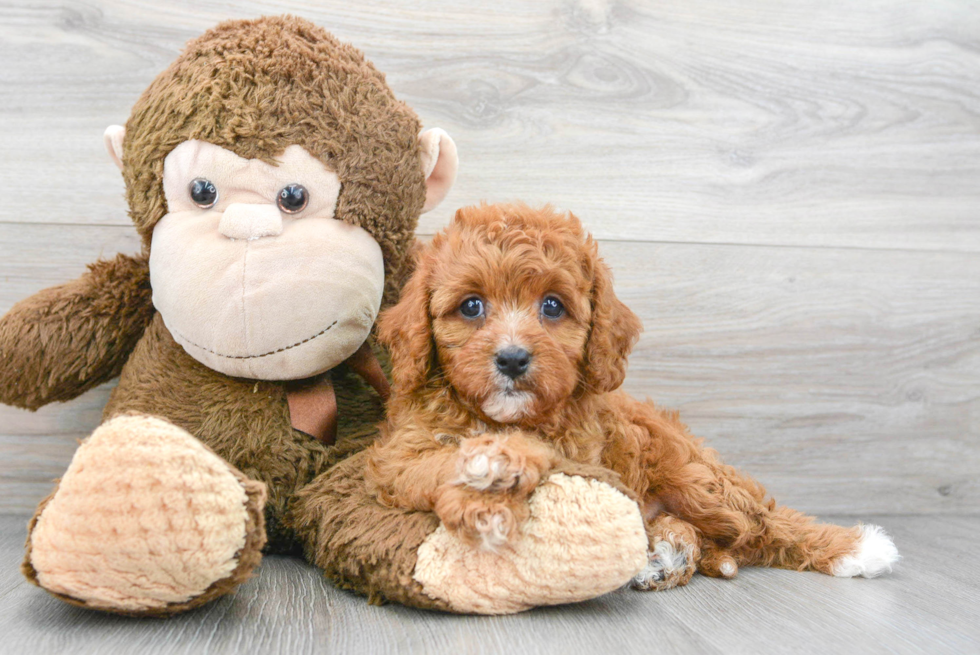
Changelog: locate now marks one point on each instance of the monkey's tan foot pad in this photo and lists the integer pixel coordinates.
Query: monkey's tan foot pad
(583, 539)
(146, 521)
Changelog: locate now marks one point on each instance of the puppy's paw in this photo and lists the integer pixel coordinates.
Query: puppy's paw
(488, 463)
(483, 520)
(489, 525)
(670, 563)
(716, 562)
(495, 463)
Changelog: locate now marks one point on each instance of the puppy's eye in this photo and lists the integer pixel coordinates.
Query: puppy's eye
(293, 198)
(551, 307)
(471, 308)
(203, 193)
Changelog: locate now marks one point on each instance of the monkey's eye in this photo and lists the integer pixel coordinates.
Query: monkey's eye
(203, 193)
(551, 307)
(293, 198)
(471, 308)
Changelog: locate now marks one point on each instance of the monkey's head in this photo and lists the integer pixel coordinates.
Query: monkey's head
(277, 183)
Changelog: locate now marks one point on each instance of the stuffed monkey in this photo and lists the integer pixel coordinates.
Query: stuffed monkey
(276, 183)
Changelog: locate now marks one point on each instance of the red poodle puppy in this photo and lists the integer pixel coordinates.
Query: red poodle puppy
(507, 347)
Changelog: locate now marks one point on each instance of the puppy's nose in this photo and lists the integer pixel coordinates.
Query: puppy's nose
(513, 361)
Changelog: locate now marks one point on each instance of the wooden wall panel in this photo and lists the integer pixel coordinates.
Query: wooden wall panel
(807, 123)
(844, 379)
(787, 193)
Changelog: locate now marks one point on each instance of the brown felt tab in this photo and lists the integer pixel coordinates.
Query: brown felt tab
(313, 407)
(313, 404)
(365, 364)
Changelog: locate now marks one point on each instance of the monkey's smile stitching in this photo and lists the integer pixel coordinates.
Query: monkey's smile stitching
(271, 352)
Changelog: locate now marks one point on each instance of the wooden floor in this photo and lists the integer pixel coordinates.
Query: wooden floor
(931, 605)
(788, 194)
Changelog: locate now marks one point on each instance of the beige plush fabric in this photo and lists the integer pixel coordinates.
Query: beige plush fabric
(144, 517)
(252, 292)
(439, 164)
(113, 138)
(584, 538)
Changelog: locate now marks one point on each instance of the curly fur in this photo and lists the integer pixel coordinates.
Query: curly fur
(444, 416)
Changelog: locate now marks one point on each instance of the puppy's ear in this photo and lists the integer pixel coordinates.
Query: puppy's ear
(615, 330)
(406, 330)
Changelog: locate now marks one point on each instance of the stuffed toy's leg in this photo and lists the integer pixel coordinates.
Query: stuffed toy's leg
(146, 521)
(585, 537)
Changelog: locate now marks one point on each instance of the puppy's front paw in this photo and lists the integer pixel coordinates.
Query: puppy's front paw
(481, 519)
(670, 563)
(496, 463)
(489, 524)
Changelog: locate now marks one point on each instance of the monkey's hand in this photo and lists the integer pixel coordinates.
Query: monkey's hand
(67, 339)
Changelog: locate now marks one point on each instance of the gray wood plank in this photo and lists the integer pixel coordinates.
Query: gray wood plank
(842, 374)
(846, 380)
(929, 605)
(808, 123)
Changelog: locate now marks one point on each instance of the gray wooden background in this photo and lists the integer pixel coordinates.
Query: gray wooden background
(787, 191)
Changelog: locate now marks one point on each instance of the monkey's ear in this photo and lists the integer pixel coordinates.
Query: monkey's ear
(439, 164)
(113, 139)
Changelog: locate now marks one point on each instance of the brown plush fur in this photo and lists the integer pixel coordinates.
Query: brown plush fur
(252, 87)
(246, 422)
(70, 338)
(255, 87)
(446, 448)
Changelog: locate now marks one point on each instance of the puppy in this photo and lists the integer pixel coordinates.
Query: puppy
(507, 347)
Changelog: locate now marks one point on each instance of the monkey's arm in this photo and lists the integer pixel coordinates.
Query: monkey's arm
(67, 339)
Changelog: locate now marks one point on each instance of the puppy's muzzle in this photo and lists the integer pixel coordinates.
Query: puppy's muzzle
(513, 361)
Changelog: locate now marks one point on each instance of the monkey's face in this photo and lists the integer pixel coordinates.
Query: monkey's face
(250, 270)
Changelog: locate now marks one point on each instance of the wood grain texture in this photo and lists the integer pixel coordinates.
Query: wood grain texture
(926, 606)
(807, 123)
(787, 193)
(845, 380)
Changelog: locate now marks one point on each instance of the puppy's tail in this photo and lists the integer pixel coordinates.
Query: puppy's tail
(788, 539)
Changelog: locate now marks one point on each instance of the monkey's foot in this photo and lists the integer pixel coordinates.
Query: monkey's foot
(146, 521)
(583, 538)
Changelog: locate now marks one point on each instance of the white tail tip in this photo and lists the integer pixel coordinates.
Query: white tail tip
(876, 553)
